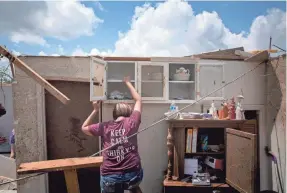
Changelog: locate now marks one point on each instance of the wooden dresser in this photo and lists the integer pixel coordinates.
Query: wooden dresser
(239, 155)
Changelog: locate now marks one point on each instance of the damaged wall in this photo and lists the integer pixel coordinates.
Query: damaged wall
(29, 108)
(64, 137)
(276, 105)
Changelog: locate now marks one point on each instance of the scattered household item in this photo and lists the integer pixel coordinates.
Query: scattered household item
(188, 141)
(231, 109)
(214, 163)
(201, 179)
(190, 166)
(116, 95)
(206, 116)
(181, 74)
(216, 148)
(191, 115)
(239, 110)
(204, 142)
(213, 111)
(223, 112)
(173, 111)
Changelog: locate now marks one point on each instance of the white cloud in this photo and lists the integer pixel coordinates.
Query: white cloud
(99, 6)
(28, 38)
(32, 22)
(80, 52)
(42, 53)
(16, 53)
(61, 50)
(161, 31)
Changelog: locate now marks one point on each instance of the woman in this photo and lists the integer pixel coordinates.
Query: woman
(12, 144)
(121, 169)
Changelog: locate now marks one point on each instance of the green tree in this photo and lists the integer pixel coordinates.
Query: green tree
(5, 73)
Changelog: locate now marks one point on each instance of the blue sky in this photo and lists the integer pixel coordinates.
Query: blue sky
(117, 16)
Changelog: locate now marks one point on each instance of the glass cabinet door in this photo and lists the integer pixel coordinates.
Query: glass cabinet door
(97, 79)
(152, 80)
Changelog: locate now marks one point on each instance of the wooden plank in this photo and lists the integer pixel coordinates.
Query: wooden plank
(59, 165)
(34, 75)
(241, 160)
(243, 54)
(68, 79)
(71, 179)
(259, 57)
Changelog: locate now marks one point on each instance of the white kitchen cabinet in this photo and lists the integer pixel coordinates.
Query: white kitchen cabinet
(210, 78)
(184, 89)
(98, 69)
(152, 80)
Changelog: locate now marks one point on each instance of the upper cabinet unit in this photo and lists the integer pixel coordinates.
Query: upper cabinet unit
(180, 79)
(152, 80)
(116, 71)
(210, 79)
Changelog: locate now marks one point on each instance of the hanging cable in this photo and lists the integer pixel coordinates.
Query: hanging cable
(153, 124)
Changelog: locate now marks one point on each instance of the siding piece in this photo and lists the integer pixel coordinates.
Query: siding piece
(34, 75)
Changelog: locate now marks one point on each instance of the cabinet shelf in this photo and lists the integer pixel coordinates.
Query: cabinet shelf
(179, 81)
(189, 184)
(114, 80)
(204, 153)
(150, 81)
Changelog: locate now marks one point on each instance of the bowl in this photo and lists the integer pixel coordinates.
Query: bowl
(181, 77)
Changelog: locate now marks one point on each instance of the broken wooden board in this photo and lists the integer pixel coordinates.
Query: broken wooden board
(34, 75)
(243, 54)
(59, 165)
(259, 57)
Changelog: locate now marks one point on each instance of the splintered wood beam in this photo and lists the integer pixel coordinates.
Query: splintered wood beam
(59, 165)
(259, 57)
(71, 178)
(34, 75)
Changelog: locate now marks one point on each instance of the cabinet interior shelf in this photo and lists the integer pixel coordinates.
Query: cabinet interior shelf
(179, 81)
(114, 80)
(152, 81)
(204, 153)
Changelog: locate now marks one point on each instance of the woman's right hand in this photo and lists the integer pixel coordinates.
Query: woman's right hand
(127, 79)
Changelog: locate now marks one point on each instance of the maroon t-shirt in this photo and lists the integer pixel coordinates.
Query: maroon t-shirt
(123, 157)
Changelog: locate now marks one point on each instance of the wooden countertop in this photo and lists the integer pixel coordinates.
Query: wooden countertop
(206, 123)
(189, 184)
